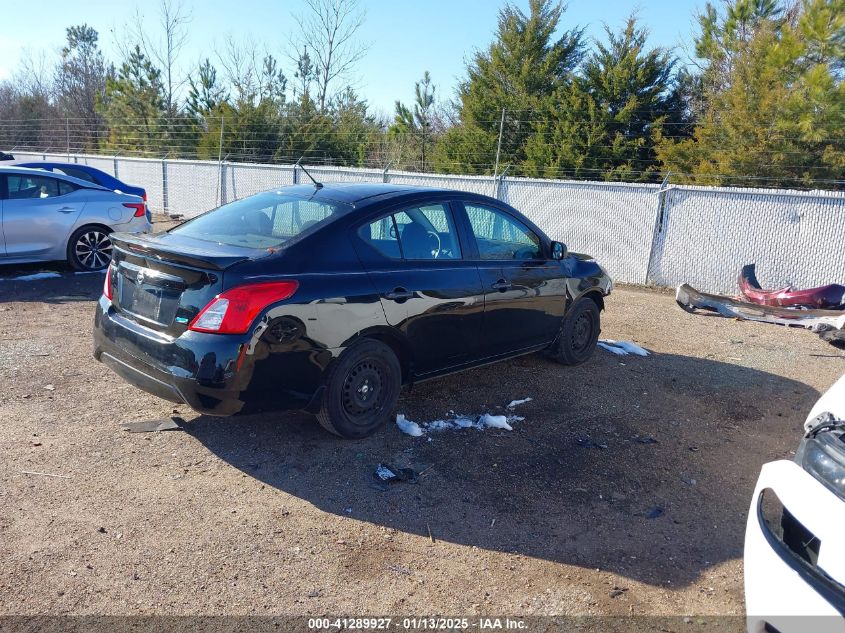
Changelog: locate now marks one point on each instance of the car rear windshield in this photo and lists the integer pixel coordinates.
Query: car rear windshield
(265, 220)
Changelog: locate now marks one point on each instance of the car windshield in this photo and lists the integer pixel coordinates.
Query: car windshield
(266, 220)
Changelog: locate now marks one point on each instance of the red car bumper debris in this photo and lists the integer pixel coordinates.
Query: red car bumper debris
(830, 296)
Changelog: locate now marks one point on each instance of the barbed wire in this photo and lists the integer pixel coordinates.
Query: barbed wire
(281, 142)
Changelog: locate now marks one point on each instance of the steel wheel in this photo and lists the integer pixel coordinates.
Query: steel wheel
(362, 392)
(92, 249)
(582, 332)
(578, 334)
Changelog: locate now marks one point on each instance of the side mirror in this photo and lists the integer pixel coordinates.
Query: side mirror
(559, 250)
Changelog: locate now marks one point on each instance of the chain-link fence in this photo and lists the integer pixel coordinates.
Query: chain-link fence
(641, 233)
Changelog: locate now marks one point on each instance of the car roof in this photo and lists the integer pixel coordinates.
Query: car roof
(40, 172)
(365, 193)
(48, 163)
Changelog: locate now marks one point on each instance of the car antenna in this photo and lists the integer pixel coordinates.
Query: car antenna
(317, 185)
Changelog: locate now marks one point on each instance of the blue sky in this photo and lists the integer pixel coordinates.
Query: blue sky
(406, 38)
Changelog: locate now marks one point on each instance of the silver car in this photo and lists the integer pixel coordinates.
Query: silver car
(47, 217)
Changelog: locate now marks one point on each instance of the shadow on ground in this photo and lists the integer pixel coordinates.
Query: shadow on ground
(659, 513)
(69, 286)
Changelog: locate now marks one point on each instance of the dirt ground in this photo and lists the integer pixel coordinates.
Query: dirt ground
(570, 513)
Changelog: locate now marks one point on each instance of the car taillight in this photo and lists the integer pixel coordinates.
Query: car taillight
(233, 311)
(144, 196)
(138, 206)
(107, 284)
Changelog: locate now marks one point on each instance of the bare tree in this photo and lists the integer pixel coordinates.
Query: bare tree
(328, 30)
(239, 61)
(35, 74)
(164, 47)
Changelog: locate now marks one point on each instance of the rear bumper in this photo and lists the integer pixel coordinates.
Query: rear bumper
(208, 372)
(782, 590)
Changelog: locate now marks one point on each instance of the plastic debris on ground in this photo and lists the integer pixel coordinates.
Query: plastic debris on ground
(586, 442)
(645, 439)
(457, 422)
(622, 348)
(387, 474)
(173, 423)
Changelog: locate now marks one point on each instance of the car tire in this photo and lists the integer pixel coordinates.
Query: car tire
(361, 390)
(579, 333)
(89, 248)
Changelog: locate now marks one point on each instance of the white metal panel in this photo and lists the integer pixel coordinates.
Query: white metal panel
(708, 234)
(245, 179)
(193, 187)
(613, 222)
(146, 173)
(484, 185)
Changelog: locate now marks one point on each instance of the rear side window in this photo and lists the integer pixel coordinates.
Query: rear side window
(77, 173)
(383, 236)
(417, 233)
(266, 220)
(26, 187)
(66, 187)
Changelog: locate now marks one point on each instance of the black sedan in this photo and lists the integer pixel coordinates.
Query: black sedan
(330, 298)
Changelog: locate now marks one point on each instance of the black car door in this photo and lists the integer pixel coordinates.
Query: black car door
(524, 288)
(414, 256)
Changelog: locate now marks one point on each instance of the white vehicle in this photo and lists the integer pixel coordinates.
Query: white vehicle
(46, 216)
(794, 545)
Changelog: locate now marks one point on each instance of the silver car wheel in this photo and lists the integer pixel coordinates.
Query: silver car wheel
(93, 250)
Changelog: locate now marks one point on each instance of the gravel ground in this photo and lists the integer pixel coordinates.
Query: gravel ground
(573, 512)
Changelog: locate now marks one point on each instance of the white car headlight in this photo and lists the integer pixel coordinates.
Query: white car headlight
(822, 454)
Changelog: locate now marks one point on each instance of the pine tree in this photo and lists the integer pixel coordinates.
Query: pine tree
(523, 66)
(80, 82)
(133, 106)
(414, 128)
(777, 118)
(601, 125)
(205, 93)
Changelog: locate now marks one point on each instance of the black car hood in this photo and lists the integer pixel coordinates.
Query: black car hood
(186, 250)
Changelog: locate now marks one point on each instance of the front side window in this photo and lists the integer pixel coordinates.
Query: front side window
(416, 233)
(266, 220)
(500, 236)
(26, 187)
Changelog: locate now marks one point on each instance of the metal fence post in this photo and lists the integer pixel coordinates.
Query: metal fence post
(220, 164)
(165, 198)
(384, 176)
(497, 183)
(224, 194)
(658, 223)
(114, 158)
(499, 145)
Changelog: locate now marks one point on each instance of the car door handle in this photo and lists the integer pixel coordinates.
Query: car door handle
(67, 210)
(399, 295)
(502, 285)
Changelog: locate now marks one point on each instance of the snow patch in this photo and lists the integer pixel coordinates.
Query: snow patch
(457, 422)
(406, 426)
(613, 350)
(32, 277)
(495, 421)
(622, 348)
(516, 403)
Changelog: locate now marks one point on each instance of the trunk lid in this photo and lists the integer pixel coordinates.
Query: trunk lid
(163, 281)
